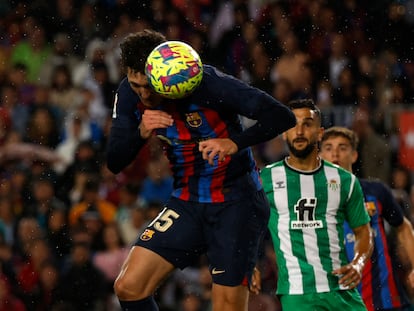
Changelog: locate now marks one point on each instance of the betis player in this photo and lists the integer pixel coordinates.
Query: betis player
(310, 200)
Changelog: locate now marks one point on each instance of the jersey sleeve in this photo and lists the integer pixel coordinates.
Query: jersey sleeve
(356, 214)
(272, 117)
(124, 140)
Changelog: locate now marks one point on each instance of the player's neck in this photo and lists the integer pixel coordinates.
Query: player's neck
(310, 163)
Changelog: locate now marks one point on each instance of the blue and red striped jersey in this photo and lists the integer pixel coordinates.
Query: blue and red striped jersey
(380, 288)
(213, 110)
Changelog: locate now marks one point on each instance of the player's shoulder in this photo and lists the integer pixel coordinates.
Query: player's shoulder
(124, 86)
(343, 173)
(336, 167)
(270, 166)
(374, 185)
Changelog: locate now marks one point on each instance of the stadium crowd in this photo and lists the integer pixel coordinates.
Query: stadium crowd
(66, 222)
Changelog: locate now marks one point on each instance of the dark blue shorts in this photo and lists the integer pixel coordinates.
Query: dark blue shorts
(228, 233)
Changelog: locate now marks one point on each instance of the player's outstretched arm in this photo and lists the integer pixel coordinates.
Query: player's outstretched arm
(352, 272)
(405, 234)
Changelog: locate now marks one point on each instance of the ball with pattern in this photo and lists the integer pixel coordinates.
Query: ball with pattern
(174, 69)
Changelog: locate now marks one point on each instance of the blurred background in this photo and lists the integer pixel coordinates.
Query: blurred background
(66, 222)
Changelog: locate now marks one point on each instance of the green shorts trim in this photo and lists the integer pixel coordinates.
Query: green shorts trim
(336, 300)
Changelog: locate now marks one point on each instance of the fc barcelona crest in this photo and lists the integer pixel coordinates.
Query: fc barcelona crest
(147, 234)
(193, 119)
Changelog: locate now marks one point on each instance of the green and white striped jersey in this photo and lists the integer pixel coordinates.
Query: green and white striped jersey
(306, 223)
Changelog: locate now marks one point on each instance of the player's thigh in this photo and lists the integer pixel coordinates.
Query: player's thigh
(234, 235)
(229, 298)
(176, 234)
(142, 272)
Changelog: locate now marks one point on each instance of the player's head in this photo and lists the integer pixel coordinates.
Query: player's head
(136, 47)
(303, 138)
(339, 146)
(134, 52)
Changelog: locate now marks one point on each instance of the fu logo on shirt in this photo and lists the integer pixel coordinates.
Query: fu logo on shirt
(305, 213)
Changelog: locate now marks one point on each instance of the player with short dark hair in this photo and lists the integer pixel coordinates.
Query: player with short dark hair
(217, 207)
(381, 287)
(309, 201)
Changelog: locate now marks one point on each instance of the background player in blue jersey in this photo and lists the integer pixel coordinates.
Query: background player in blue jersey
(380, 288)
(217, 206)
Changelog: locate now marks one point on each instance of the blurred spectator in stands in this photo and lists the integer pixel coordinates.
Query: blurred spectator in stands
(231, 46)
(365, 95)
(61, 56)
(374, 151)
(110, 184)
(324, 24)
(82, 285)
(95, 52)
(33, 50)
(44, 200)
(57, 233)
(292, 65)
(110, 259)
(75, 132)
(49, 280)
(130, 215)
(8, 301)
(19, 193)
(257, 69)
(42, 128)
(324, 95)
(17, 111)
(8, 219)
(344, 94)
(63, 94)
(344, 98)
(106, 88)
(157, 186)
(92, 205)
(366, 65)
(400, 187)
(84, 166)
(392, 30)
(338, 58)
(28, 276)
(28, 230)
(5, 125)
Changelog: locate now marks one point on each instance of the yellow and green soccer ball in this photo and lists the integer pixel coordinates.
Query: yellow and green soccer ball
(174, 69)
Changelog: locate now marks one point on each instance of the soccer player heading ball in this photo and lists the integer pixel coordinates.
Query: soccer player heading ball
(217, 206)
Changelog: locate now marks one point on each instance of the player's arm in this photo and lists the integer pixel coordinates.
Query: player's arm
(351, 274)
(125, 139)
(405, 235)
(358, 219)
(272, 117)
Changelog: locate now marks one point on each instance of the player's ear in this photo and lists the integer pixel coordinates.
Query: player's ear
(321, 131)
(284, 135)
(354, 156)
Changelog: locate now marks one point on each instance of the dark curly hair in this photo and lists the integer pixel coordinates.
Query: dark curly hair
(137, 46)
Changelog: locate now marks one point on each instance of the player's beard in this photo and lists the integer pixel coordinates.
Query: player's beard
(302, 153)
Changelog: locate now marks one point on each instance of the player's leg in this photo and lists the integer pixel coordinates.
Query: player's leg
(234, 235)
(231, 298)
(140, 275)
(173, 239)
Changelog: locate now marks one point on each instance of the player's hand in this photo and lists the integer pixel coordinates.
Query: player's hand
(411, 279)
(351, 275)
(217, 147)
(154, 119)
(256, 282)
